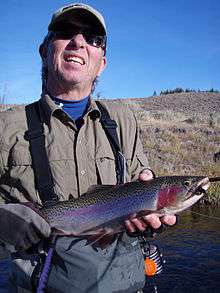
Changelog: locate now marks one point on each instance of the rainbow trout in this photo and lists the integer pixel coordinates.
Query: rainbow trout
(104, 209)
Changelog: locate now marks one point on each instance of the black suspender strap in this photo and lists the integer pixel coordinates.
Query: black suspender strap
(109, 127)
(35, 135)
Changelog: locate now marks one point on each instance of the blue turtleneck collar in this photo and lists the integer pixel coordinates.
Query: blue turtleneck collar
(75, 109)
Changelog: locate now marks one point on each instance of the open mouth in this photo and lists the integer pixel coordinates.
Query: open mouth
(72, 58)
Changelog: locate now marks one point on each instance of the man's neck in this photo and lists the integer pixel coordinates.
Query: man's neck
(75, 93)
(71, 95)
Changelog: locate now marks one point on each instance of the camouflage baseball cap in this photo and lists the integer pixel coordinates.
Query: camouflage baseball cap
(78, 11)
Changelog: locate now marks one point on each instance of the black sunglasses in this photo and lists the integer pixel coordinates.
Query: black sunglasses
(93, 40)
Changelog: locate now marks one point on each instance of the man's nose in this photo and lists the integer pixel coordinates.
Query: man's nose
(77, 41)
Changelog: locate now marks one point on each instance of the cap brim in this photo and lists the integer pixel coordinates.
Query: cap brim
(78, 15)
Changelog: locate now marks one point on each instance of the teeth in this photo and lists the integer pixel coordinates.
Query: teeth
(74, 59)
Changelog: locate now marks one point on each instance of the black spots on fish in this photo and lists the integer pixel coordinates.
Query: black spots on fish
(88, 201)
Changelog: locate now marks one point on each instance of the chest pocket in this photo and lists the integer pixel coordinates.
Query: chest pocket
(105, 165)
(17, 182)
(19, 154)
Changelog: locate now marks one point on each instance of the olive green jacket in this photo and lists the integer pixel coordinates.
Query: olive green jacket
(78, 158)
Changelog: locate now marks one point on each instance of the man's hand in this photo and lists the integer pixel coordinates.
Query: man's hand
(21, 227)
(152, 220)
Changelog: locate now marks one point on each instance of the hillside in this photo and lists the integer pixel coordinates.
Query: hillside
(180, 133)
(182, 102)
(185, 102)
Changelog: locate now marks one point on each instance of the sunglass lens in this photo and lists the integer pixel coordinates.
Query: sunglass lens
(96, 41)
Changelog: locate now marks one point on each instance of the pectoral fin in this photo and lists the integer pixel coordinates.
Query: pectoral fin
(101, 238)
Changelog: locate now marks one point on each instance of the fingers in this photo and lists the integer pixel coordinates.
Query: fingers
(130, 226)
(169, 220)
(152, 221)
(135, 224)
(146, 175)
(141, 224)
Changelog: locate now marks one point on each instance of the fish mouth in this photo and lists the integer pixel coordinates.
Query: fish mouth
(195, 192)
(198, 188)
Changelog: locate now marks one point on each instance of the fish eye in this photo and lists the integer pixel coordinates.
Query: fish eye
(187, 183)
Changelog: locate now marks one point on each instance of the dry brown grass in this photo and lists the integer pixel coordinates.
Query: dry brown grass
(181, 133)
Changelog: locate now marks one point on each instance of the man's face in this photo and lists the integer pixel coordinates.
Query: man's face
(72, 61)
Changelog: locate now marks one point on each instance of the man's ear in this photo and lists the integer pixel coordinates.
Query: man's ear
(102, 65)
(43, 52)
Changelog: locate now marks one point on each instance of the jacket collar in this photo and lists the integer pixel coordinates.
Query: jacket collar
(48, 108)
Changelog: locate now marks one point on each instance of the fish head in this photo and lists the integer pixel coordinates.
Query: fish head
(181, 192)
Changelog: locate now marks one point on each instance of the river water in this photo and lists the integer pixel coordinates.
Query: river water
(192, 254)
(191, 250)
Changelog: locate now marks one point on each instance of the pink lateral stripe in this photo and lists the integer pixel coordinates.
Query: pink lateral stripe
(167, 196)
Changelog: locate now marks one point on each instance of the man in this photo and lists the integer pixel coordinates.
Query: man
(79, 155)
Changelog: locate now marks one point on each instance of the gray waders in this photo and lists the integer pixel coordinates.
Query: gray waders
(81, 269)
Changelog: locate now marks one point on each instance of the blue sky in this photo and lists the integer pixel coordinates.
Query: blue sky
(153, 45)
